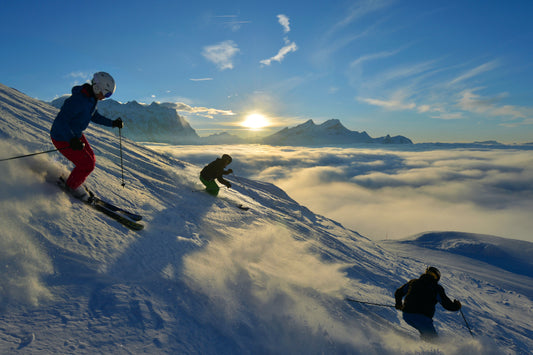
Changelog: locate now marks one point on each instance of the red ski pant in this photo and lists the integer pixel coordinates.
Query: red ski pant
(83, 160)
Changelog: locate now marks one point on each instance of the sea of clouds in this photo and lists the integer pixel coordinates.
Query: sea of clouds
(395, 192)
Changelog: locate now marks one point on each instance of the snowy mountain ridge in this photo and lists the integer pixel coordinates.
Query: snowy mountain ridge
(160, 122)
(511, 255)
(206, 277)
(330, 132)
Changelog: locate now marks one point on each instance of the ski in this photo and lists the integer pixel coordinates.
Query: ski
(109, 206)
(239, 206)
(116, 216)
(242, 207)
(126, 218)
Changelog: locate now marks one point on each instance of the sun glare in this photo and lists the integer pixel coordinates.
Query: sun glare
(255, 121)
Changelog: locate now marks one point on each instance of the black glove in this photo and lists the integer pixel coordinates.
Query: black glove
(398, 306)
(228, 184)
(230, 171)
(457, 304)
(118, 123)
(76, 144)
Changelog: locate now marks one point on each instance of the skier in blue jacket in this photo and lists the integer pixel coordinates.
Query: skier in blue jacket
(73, 118)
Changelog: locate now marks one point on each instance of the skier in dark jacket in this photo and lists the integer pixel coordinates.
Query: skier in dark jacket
(73, 118)
(215, 170)
(421, 296)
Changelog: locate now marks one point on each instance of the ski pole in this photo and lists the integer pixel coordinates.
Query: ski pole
(121, 163)
(235, 176)
(29, 155)
(464, 318)
(370, 303)
(238, 180)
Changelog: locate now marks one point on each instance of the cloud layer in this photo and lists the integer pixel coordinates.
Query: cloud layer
(396, 193)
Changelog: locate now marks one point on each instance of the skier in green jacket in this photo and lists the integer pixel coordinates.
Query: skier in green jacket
(214, 171)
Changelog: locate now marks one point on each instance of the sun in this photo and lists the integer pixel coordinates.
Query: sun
(255, 121)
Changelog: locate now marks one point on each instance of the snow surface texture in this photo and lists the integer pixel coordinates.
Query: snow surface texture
(206, 277)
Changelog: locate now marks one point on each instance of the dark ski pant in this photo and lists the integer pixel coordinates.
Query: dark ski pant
(83, 160)
(423, 324)
(210, 186)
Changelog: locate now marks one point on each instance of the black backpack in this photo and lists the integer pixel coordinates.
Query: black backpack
(421, 296)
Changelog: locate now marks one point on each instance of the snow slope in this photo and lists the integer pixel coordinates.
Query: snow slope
(205, 277)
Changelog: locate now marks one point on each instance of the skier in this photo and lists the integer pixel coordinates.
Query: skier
(421, 296)
(215, 170)
(73, 118)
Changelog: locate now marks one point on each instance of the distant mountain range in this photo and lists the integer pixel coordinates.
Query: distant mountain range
(329, 132)
(160, 122)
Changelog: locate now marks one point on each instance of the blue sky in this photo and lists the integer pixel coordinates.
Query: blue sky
(430, 70)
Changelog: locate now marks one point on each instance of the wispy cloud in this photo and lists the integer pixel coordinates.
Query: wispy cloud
(413, 89)
(411, 71)
(437, 111)
(332, 42)
(287, 48)
(388, 104)
(347, 29)
(449, 116)
(525, 122)
(201, 79)
(231, 21)
(198, 110)
(284, 21)
(359, 10)
(472, 102)
(476, 71)
(79, 75)
(221, 54)
(373, 56)
(398, 101)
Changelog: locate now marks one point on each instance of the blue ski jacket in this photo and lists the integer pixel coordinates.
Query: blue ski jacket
(76, 114)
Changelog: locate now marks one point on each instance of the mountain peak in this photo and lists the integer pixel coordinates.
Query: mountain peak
(308, 123)
(332, 122)
(330, 132)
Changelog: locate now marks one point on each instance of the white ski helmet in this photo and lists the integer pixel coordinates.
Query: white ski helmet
(103, 83)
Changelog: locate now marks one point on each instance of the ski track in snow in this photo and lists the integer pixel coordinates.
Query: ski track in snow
(206, 277)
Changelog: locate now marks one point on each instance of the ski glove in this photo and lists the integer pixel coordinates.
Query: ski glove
(118, 123)
(76, 144)
(457, 304)
(398, 306)
(228, 184)
(230, 171)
